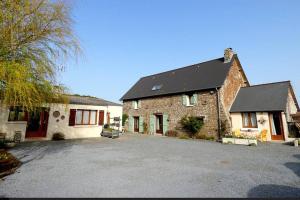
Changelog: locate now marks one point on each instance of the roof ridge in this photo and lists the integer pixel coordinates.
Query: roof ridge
(191, 65)
(256, 85)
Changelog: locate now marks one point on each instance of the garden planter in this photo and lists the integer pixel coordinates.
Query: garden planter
(111, 134)
(296, 143)
(239, 141)
(10, 144)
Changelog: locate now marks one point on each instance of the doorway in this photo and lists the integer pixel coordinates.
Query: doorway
(276, 127)
(159, 124)
(37, 123)
(136, 124)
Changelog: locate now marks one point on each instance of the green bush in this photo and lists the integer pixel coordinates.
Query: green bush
(191, 124)
(124, 118)
(106, 126)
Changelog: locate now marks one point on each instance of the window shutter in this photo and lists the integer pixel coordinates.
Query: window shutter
(152, 124)
(133, 104)
(141, 124)
(101, 117)
(130, 124)
(165, 123)
(184, 100)
(194, 99)
(72, 117)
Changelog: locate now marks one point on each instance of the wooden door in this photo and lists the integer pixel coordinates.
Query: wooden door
(159, 124)
(136, 124)
(276, 126)
(37, 123)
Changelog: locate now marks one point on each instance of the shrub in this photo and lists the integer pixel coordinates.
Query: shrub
(8, 163)
(106, 126)
(172, 133)
(58, 136)
(124, 118)
(191, 124)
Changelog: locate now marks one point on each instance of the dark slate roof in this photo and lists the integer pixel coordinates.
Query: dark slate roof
(87, 100)
(264, 97)
(201, 76)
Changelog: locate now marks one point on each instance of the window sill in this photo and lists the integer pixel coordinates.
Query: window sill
(190, 105)
(86, 126)
(249, 129)
(16, 122)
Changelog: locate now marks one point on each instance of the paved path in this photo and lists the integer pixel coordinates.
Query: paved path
(153, 166)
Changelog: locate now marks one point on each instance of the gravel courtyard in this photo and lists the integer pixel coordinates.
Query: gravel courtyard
(153, 166)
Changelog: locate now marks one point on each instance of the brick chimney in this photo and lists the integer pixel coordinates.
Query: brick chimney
(228, 53)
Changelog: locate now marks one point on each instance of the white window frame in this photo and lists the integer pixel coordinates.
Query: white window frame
(136, 105)
(188, 100)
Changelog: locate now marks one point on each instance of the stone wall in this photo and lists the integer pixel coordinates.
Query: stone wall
(172, 105)
(233, 82)
(206, 106)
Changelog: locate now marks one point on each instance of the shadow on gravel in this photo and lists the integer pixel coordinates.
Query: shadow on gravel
(294, 166)
(270, 190)
(29, 151)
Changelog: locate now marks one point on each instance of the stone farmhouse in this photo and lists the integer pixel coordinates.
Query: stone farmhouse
(206, 90)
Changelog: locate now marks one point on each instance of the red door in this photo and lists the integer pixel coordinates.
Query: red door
(37, 123)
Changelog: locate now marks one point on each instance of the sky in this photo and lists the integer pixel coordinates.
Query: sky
(124, 40)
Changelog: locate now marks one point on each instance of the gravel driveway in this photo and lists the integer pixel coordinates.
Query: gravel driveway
(153, 166)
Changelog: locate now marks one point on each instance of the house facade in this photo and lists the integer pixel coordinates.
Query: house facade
(206, 90)
(268, 107)
(82, 117)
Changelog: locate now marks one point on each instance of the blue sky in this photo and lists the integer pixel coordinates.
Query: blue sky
(124, 40)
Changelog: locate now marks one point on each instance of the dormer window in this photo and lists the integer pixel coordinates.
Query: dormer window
(156, 87)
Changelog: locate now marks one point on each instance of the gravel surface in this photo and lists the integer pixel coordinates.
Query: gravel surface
(153, 166)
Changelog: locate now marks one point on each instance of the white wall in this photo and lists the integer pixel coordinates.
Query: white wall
(78, 131)
(10, 127)
(237, 123)
(62, 125)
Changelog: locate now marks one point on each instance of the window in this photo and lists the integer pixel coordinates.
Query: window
(191, 99)
(249, 120)
(86, 117)
(16, 114)
(136, 104)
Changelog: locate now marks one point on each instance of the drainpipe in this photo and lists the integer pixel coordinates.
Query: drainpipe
(218, 114)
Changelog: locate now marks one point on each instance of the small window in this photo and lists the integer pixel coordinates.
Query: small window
(249, 120)
(16, 114)
(156, 87)
(136, 104)
(190, 100)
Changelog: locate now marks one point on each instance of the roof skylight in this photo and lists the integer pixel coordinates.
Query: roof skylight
(156, 87)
